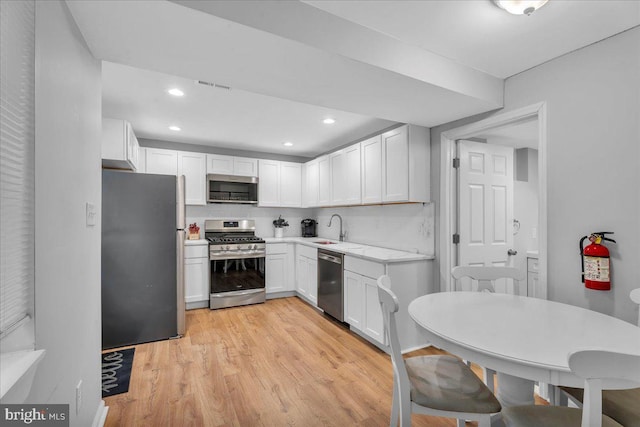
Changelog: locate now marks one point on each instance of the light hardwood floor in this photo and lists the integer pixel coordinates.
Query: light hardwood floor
(281, 363)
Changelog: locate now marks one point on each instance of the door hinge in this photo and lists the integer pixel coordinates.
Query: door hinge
(456, 238)
(456, 163)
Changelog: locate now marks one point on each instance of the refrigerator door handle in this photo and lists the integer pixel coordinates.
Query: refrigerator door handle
(180, 283)
(181, 213)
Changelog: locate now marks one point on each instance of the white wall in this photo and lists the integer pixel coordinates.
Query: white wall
(593, 106)
(263, 216)
(408, 227)
(67, 258)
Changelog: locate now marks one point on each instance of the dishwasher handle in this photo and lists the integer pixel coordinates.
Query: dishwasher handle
(331, 258)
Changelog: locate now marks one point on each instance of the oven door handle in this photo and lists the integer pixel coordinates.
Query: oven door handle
(237, 293)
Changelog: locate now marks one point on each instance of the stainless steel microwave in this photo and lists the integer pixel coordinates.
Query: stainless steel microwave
(232, 189)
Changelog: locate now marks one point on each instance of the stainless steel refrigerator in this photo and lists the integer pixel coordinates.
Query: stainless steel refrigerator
(143, 223)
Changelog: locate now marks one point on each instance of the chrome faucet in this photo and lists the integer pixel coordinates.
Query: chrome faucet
(342, 234)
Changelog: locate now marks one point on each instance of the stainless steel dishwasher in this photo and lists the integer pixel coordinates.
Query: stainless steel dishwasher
(330, 293)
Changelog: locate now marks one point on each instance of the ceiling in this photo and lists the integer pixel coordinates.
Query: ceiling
(522, 134)
(290, 64)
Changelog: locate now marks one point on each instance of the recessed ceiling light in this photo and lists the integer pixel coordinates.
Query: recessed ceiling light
(288, 144)
(329, 121)
(175, 92)
(175, 128)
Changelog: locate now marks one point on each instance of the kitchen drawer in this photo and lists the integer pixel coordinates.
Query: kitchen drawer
(532, 265)
(196, 251)
(307, 251)
(364, 267)
(276, 248)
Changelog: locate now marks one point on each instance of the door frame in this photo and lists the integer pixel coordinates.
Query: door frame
(448, 183)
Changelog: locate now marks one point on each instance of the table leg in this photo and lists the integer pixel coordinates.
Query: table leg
(514, 391)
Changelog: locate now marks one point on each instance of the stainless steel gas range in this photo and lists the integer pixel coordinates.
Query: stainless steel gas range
(237, 260)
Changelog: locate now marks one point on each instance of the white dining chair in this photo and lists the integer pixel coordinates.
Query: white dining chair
(600, 369)
(486, 278)
(621, 405)
(437, 385)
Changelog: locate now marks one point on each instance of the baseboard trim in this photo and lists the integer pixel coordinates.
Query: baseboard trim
(101, 415)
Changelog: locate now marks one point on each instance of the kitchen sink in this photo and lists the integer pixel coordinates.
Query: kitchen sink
(324, 242)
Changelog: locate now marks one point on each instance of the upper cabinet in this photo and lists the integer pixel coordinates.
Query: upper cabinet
(345, 176)
(119, 145)
(279, 183)
(389, 168)
(162, 162)
(371, 170)
(194, 168)
(230, 165)
(406, 165)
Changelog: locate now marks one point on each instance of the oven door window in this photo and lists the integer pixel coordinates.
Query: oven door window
(237, 274)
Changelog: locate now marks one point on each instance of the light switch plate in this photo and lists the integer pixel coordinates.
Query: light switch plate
(91, 215)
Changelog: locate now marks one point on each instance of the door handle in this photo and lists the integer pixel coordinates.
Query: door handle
(511, 252)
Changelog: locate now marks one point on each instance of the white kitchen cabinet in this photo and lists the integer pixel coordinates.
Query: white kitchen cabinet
(219, 164)
(405, 165)
(290, 184)
(196, 275)
(162, 162)
(280, 183)
(307, 273)
(279, 268)
(312, 182)
(119, 145)
(230, 165)
(371, 170)
(268, 183)
(345, 176)
(362, 307)
(324, 181)
(194, 168)
(142, 160)
(353, 300)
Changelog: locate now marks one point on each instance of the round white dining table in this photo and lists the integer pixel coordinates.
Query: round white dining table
(524, 339)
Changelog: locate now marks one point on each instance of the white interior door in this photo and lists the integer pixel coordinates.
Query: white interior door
(485, 209)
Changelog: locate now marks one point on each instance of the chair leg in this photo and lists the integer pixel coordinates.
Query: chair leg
(405, 409)
(460, 423)
(485, 421)
(489, 375)
(395, 405)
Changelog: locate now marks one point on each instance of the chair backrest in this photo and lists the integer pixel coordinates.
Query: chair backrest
(487, 276)
(602, 369)
(389, 304)
(635, 297)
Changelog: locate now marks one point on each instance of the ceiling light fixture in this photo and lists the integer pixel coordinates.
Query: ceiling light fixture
(175, 92)
(329, 121)
(174, 128)
(288, 144)
(520, 7)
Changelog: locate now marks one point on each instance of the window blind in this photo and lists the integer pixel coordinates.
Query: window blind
(17, 159)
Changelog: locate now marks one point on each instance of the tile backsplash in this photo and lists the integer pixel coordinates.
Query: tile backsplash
(408, 227)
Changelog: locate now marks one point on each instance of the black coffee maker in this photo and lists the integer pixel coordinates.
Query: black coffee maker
(309, 228)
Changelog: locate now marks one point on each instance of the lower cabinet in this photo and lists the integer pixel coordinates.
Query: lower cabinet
(279, 270)
(196, 276)
(362, 307)
(307, 275)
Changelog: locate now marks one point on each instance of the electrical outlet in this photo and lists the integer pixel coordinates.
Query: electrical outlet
(78, 397)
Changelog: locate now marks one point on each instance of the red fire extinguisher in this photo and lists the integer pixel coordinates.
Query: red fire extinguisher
(596, 271)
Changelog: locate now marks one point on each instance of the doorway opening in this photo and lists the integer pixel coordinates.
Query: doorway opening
(514, 211)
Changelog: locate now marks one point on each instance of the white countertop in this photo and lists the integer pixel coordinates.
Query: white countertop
(373, 253)
(199, 242)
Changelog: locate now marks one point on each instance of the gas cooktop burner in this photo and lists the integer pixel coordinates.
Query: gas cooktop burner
(235, 239)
